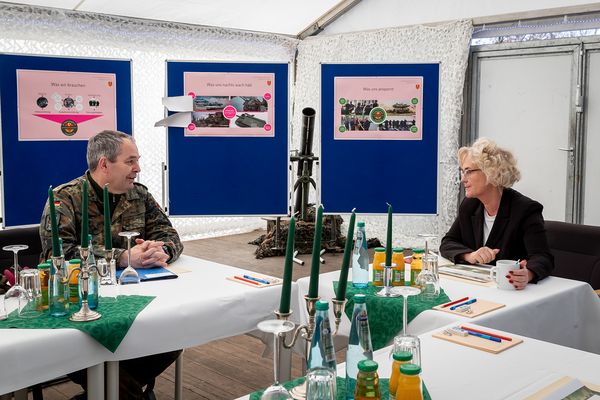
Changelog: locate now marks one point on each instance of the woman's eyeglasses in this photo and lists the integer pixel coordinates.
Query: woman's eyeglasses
(467, 172)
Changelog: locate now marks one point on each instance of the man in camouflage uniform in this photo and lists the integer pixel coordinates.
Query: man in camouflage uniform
(113, 159)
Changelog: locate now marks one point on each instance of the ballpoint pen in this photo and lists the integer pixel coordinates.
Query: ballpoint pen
(455, 302)
(463, 304)
(466, 328)
(257, 279)
(483, 336)
(246, 280)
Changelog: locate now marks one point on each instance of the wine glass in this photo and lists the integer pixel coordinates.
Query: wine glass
(16, 297)
(275, 326)
(405, 292)
(129, 275)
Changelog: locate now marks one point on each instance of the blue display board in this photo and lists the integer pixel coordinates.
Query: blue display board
(367, 173)
(29, 167)
(229, 175)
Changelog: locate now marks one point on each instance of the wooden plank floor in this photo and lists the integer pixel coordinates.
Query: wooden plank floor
(228, 368)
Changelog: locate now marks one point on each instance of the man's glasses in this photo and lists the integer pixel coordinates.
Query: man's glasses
(467, 172)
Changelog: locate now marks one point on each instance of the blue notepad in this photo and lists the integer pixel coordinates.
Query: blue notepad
(152, 274)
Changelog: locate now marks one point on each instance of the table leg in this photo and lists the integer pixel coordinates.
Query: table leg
(179, 377)
(112, 380)
(95, 382)
(21, 394)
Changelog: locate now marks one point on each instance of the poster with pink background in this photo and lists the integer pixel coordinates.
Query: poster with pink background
(372, 108)
(59, 105)
(231, 104)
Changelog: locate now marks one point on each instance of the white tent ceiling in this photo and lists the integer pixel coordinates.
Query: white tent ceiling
(288, 17)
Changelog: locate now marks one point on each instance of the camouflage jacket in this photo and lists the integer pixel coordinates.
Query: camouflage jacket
(136, 211)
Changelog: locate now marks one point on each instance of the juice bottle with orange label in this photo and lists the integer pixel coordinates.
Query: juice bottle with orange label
(409, 383)
(398, 266)
(74, 281)
(417, 264)
(378, 266)
(400, 357)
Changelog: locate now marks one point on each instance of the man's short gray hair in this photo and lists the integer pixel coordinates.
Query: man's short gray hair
(107, 144)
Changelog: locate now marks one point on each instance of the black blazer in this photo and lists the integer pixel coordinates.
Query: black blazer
(518, 232)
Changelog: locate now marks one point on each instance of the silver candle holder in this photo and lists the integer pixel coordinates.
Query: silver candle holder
(306, 332)
(85, 314)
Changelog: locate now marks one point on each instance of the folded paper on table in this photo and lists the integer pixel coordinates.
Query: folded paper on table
(566, 387)
(476, 273)
(477, 308)
(152, 274)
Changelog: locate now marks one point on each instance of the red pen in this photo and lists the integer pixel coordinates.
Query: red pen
(486, 333)
(246, 280)
(455, 302)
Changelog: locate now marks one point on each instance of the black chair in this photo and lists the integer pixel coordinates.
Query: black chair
(576, 251)
(27, 258)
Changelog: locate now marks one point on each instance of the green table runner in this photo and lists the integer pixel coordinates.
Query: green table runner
(385, 314)
(109, 330)
(341, 389)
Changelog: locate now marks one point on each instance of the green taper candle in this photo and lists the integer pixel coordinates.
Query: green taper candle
(107, 232)
(53, 225)
(388, 241)
(341, 295)
(286, 287)
(84, 215)
(313, 287)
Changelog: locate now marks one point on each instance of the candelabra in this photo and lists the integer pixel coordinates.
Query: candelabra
(85, 314)
(306, 332)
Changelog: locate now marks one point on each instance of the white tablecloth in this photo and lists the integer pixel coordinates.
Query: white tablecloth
(555, 310)
(198, 307)
(452, 371)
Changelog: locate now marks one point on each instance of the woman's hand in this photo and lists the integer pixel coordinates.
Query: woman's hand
(484, 255)
(520, 277)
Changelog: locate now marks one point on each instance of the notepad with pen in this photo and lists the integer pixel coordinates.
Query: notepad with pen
(152, 274)
(255, 279)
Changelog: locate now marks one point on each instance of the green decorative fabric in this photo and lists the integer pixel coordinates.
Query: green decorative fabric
(109, 330)
(385, 314)
(341, 389)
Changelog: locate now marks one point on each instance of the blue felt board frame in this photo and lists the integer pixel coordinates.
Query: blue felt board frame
(368, 173)
(229, 175)
(29, 167)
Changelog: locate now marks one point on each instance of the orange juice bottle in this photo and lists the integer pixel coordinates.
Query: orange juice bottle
(74, 281)
(401, 357)
(398, 266)
(409, 383)
(378, 266)
(416, 265)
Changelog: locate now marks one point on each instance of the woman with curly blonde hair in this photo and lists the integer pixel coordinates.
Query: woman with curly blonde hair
(494, 221)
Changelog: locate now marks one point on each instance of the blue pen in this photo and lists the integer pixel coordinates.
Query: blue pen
(463, 304)
(484, 336)
(252, 278)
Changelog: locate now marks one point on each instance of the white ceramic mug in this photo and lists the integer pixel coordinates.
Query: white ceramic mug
(499, 272)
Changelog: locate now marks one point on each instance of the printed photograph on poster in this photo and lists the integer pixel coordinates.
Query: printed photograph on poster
(231, 104)
(378, 108)
(60, 105)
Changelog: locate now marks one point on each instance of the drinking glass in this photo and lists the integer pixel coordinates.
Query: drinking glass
(29, 279)
(276, 327)
(320, 384)
(129, 275)
(16, 297)
(3, 315)
(409, 343)
(427, 279)
(108, 285)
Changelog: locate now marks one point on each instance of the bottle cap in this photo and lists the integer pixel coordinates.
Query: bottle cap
(322, 305)
(75, 261)
(410, 369)
(379, 249)
(402, 356)
(359, 298)
(360, 224)
(44, 265)
(367, 365)
(418, 250)
(398, 249)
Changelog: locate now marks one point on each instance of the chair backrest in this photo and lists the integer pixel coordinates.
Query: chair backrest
(576, 250)
(30, 236)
